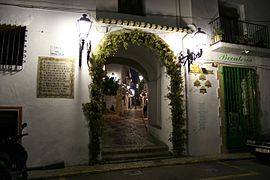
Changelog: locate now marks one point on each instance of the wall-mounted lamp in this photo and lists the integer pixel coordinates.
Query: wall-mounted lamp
(199, 41)
(84, 25)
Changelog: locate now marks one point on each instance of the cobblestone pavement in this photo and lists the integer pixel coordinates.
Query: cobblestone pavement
(129, 130)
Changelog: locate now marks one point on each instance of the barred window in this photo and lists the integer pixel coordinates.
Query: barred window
(12, 39)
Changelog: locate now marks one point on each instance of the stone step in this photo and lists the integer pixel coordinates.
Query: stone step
(133, 113)
(117, 155)
(120, 158)
(125, 149)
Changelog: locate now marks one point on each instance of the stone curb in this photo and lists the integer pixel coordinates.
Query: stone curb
(101, 168)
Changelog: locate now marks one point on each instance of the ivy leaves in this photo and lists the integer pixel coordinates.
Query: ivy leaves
(109, 47)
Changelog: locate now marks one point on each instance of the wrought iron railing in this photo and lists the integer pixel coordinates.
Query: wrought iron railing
(239, 32)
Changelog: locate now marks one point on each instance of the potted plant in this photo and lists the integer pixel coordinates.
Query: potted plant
(110, 87)
(218, 32)
(243, 39)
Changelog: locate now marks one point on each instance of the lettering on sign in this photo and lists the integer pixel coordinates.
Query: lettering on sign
(55, 78)
(56, 51)
(235, 59)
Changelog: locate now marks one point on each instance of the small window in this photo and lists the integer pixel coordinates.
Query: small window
(12, 39)
(135, 7)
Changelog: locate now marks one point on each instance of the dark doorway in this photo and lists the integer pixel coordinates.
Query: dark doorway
(10, 119)
(229, 21)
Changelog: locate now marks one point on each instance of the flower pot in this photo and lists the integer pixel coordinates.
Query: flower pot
(217, 38)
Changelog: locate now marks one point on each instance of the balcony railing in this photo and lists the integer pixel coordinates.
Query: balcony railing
(239, 32)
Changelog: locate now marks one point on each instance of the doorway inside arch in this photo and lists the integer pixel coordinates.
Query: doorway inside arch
(126, 134)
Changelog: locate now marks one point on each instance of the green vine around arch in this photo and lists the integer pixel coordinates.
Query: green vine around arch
(107, 48)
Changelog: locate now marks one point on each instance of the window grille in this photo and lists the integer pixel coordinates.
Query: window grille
(12, 44)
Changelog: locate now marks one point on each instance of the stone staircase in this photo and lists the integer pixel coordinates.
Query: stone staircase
(126, 138)
(129, 154)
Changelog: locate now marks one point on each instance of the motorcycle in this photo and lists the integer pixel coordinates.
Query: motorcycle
(13, 158)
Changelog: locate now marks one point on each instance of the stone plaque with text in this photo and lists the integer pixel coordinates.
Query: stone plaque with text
(55, 77)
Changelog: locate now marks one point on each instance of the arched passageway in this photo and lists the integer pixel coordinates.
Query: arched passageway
(156, 60)
(148, 64)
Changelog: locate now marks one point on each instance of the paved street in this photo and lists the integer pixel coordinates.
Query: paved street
(238, 169)
(128, 130)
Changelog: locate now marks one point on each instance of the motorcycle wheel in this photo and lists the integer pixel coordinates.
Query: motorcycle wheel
(24, 174)
(5, 176)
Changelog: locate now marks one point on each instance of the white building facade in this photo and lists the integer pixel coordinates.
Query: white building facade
(57, 127)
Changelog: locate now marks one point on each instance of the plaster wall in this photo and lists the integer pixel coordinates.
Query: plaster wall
(203, 109)
(170, 7)
(203, 119)
(57, 129)
(65, 5)
(262, 67)
(203, 12)
(176, 13)
(107, 5)
(163, 132)
(264, 95)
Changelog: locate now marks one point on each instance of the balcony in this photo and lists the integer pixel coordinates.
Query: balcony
(238, 37)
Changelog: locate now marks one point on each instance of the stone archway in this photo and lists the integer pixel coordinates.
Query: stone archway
(107, 48)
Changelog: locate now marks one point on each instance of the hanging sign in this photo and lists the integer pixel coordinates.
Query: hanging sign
(56, 51)
(235, 58)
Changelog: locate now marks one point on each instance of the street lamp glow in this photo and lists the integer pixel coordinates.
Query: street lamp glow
(84, 24)
(200, 39)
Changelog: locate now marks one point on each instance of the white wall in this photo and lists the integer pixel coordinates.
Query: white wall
(107, 5)
(204, 120)
(57, 129)
(203, 116)
(263, 72)
(176, 13)
(163, 133)
(68, 5)
(209, 131)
